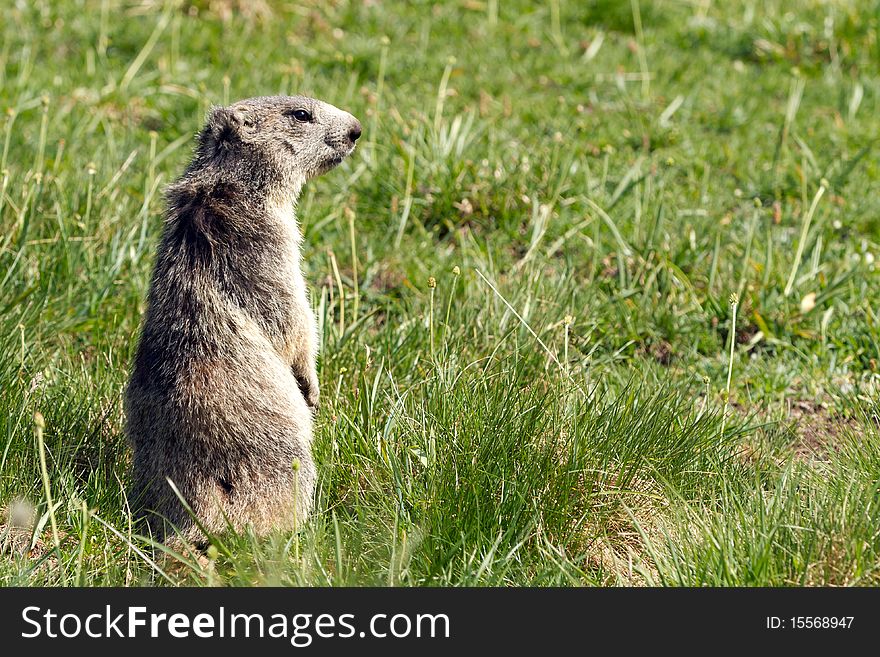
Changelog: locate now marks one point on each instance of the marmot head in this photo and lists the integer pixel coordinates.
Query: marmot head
(294, 137)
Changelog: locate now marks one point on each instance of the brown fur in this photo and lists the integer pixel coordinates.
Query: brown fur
(224, 380)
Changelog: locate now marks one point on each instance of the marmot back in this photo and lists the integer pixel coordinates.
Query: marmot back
(224, 380)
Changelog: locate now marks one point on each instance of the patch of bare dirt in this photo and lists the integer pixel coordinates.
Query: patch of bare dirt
(387, 280)
(808, 430)
(818, 430)
(660, 351)
(17, 541)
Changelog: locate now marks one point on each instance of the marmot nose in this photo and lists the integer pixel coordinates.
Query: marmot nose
(354, 132)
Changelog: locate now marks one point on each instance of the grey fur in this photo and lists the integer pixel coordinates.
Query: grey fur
(224, 381)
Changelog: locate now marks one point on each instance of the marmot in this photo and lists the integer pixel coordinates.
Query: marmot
(224, 380)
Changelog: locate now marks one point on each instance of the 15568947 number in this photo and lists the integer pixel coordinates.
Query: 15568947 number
(821, 622)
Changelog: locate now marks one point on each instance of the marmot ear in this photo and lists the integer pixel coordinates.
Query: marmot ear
(242, 121)
(227, 125)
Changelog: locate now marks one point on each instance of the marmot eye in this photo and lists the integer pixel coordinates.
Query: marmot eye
(302, 115)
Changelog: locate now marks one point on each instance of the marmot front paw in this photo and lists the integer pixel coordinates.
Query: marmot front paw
(308, 385)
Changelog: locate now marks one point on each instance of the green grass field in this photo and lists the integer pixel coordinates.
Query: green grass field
(598, 292)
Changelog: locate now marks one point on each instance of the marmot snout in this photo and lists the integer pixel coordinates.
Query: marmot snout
(224, 380)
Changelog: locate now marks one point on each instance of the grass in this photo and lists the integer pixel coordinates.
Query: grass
(572, 399)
